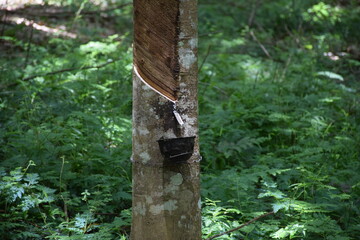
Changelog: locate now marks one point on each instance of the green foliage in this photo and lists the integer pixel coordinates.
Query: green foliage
(281, 134)
(74, 126)
(218, 219)
(24, 202)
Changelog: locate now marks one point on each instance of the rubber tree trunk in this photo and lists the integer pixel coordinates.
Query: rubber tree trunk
(166, 186)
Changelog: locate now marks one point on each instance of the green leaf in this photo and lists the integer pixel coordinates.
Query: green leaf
(330, 75)
(278, 206)
(32, 178)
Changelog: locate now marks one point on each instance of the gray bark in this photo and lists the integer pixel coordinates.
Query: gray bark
(166, 193)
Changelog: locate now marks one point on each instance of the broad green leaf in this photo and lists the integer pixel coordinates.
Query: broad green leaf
(331, 75)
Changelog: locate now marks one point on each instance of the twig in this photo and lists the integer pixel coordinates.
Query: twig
(259, 26)
(69, 70)
(60, 190)
(206, 56)
(106, 10)
(29, 44)
(241, 226)
(253, 12)
(59, 13)
(296, 38)
(260, 44)
(215, 87)
(56, 72)
(3, 21)
(77, 14)
(31, 223)
(287, 64)
(256, 79)
(209, 33)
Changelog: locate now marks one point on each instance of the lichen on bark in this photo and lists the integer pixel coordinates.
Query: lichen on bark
(166, 196)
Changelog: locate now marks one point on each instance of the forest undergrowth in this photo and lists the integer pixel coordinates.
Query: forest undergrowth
(279, 119)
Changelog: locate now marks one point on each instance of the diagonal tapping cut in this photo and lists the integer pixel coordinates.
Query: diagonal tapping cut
(156, 37)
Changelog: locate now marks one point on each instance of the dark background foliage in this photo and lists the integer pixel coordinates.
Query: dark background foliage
(279, 118)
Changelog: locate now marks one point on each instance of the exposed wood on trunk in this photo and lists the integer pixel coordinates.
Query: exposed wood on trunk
(155, 44)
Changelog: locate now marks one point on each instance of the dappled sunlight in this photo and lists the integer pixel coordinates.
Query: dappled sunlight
(59, 31)
(13, 4)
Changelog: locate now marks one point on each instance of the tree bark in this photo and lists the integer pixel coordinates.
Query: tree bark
(166, 186)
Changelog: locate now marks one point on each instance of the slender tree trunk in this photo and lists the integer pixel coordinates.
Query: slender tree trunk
(166, 186)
